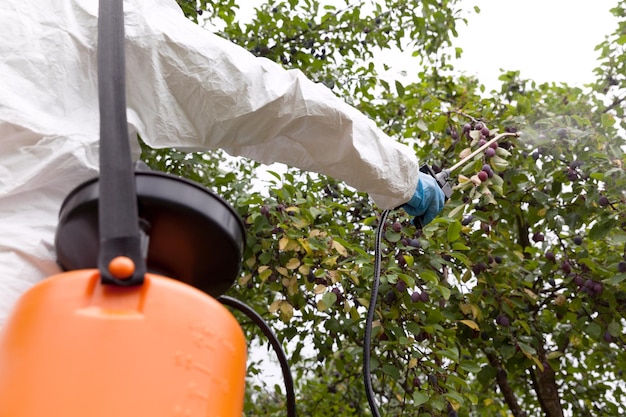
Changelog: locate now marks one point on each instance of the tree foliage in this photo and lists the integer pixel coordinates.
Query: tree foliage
(512, 302)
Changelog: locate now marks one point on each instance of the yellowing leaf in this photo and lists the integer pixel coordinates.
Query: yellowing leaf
(265, 274)
(305, 245)
(363, 301)
(317, 233)
(530, 293)
(334, 276)
(471, 324)
(286, 311)
(319, 289)
(291, 284)
(330, 261)
(282, 271)
(244, 280)
(293, 263)
(275, 306)
(470, 309)
(475, 180)
(321, 305)
(462, 179)
(465, 153)
(554, 354)
(286, 244)
(475, 311)
(465, 308)
(300, 223)
(340, 248)
(251, 261)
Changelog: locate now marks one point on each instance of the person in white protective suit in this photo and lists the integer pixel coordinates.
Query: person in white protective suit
(186, 88)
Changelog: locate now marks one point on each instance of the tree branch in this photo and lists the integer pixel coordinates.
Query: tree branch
(545, 386)
(616, 102)
(505, 388)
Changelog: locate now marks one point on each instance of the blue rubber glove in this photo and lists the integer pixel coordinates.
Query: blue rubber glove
(427, 201)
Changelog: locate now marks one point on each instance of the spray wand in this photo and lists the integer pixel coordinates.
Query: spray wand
(443, 176)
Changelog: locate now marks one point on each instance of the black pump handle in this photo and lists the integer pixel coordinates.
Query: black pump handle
(119, 230)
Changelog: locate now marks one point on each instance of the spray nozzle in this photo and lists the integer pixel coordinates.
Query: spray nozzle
(443, 176)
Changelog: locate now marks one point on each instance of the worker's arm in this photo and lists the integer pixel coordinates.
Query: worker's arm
(192, 89)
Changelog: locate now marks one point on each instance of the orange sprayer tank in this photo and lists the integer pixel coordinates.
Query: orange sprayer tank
(76, 348)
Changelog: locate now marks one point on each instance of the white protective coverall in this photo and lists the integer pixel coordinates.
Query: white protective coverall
(186, 88)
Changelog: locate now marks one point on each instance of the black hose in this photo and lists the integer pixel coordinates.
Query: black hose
(367, 375)
(280, 353)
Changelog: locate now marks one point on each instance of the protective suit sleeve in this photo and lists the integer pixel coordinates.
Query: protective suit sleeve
(191, 89)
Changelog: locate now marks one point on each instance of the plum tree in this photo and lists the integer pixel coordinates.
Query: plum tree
(494, 319)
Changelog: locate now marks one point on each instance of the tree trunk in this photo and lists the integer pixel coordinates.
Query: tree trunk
(505, 388)
(545, 386)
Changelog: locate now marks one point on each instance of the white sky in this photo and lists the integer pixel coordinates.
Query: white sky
(547, 40)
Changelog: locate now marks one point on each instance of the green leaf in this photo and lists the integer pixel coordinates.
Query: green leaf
(507, 351)
(399, 89)
(487, 375)
(594, 330)
(452, 354)
(454, 231)
(615, 279)
(419, 398)
(445, 292)
(392, 236)
(429, 276)
(457, 211)
(527, 349)
(274, 174)
(470, 367)
(392, 371)
(607, 120)
(615, 329)
(455, 397)
(601, 229)
(440, 123)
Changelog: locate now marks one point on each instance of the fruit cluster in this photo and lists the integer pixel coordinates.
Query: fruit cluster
(479, 136)
(588, 286)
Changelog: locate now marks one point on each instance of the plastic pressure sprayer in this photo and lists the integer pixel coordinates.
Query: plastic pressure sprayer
(133, 328)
